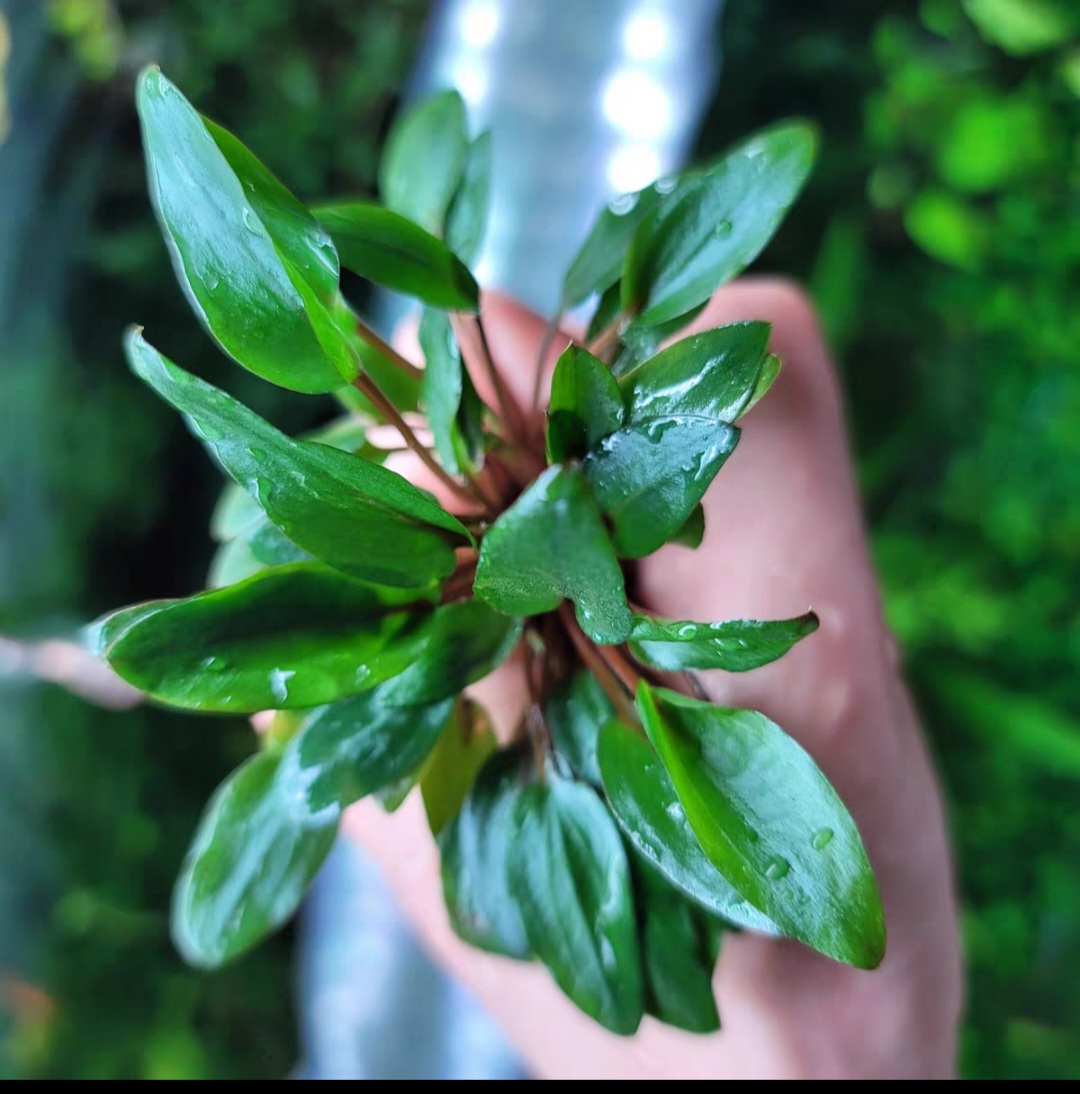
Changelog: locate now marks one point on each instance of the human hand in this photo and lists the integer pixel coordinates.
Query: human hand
(783, 532)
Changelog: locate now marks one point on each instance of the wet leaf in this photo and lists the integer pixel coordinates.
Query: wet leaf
(287, 638)
(649, 478)
(586, 405)
(735, 646)
(248, 867)
(351, 513)
(460, 752)
(255, 265)
(576, 711)
(551, 545)
(769, 821)
(570, 879)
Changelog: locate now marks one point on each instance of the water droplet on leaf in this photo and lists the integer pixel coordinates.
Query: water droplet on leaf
(778, 868)
(822, 839)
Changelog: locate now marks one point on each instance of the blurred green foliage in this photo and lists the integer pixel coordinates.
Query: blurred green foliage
(941, 239)
(946, 267)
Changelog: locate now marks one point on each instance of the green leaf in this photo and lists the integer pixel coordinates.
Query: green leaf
(1024, 27)
(607, 311)
(248, 868)
(692, 531)
(290, 637)
(232, 563)
(598, 264)
(644, 802)
(424, 160)
(711, 375)
(675, 954)
(714, 224)
(576, 710)
(273, 548)
(769, 821)
(735, 646)
(386, 248)
(648, 478)
(466, 222)
(252, 261)
(551, 545)
(570, 878)
(454, 409)
(468, 641)
(461, 750)
(586, 405)
(352, 514)
(766, 378)
(350, 749)
(474, 850)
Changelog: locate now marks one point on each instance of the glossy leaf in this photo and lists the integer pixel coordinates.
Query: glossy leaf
(675, 955)
(714, 224)
(349, 512)
(586, 405)
(424, 160)
(570, 878)
(386, 248)
(468, 641)
(290, 637)
(474, 850)
(254, 264)
(644, 802)
(349, 749)
(466, 221)
(454, 410)
(551, 545)
(248, 868)
(607, 311)
(460, 752)
(766, 378)
(692, 531)
(712, 375)
(576, 711)
(648, 478)
(769, 821)
(598, 264)
(735, 646)
(273, 548)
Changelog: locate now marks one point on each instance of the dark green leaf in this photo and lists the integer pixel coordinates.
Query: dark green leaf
(692, 531)
(448, 775)
(468, 640)
(351, 513)
(710, 375)
(243, 249)
(424, 160)
(350, 749)
(644, 802)
(466, 222)
(389, 250)
(474, 849)
(736, 646)
(551, 545)
(570, 879)
(607, 311)
(714, 224)
(649, 478)
(769, 821)
(454, 410)
(597, 265)
(291, 637)
(248, 868)
(675, 954)
(576, 711)
(586, 405)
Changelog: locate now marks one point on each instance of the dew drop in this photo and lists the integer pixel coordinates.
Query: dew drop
(778, 868)
(723, 229)
(248, 217)
(675, 812)
(822, 839)
(687, 630)
(279, 683)
(213, 664)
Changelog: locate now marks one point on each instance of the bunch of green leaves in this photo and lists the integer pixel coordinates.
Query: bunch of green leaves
(623, 826)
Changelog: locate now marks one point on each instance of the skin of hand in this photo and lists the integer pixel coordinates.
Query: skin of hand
(783, 533)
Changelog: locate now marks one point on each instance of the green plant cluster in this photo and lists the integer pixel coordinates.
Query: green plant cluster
(360, 602)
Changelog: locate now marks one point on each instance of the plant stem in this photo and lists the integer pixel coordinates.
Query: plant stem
(366, 386)
(608, 338)
(387, 350)
(509, 410)
(613, 686)
(545, 344)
